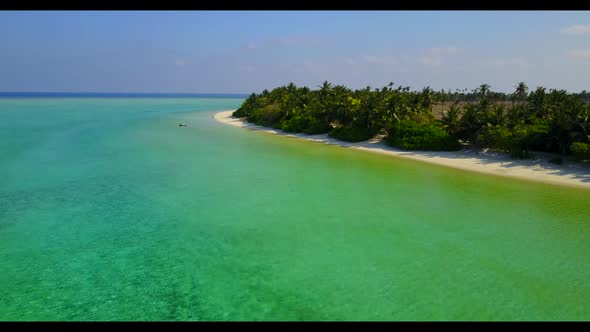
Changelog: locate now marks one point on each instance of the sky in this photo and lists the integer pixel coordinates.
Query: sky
(248, 51)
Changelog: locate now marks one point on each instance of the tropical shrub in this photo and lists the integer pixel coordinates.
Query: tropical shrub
(496, 137)
(316, 126)
(411, 135)
(266, 116)
(351, 134)
(580, 150)
(517, 122)
(296, 124)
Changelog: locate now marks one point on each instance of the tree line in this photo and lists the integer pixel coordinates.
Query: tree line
(518, 122)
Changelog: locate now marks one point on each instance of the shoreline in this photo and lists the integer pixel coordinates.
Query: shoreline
(537, 169)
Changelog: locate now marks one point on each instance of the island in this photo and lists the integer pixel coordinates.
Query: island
(540, 136)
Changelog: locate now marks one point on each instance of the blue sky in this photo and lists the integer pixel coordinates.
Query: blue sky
(245, 51)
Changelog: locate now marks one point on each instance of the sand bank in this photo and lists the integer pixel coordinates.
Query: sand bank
(483, 161)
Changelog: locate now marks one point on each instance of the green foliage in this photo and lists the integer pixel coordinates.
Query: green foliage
(296, 124)
(247, 107)
(517, 122)
(471, 122)
(305, 124)
(317, 126)
(496, 137)
(410, 135)
(517, 141)
(266, 116)
(580, 150)
(450, 119)
(239, 113)
(351, 134)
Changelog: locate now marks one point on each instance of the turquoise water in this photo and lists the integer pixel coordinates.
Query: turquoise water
(110, 211)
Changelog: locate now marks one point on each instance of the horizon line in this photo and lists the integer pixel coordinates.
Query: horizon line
(129, 93)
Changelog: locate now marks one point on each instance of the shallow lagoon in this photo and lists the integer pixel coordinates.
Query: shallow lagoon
(110, 211)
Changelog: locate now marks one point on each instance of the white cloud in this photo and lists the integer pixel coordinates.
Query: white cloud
(381, 60)
(584, 54)
(434, 56)
(429, 60)
(576, 29)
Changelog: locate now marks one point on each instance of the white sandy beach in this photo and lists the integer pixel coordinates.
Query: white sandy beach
(536, 169)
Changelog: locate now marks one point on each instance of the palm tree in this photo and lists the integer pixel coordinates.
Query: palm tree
(325, 87)
(520, 93)
(324, 95)
(484, 89)
(450, 120)
(497, 115)
(426, 98)
(521, 90)
(537, 102)
(442, 100)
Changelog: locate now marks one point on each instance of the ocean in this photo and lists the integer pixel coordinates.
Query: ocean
(111, 211)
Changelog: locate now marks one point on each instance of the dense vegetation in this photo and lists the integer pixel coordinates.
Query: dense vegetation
(552, 121)
(411, 135)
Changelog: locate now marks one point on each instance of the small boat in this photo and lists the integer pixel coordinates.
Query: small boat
(182, 125)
